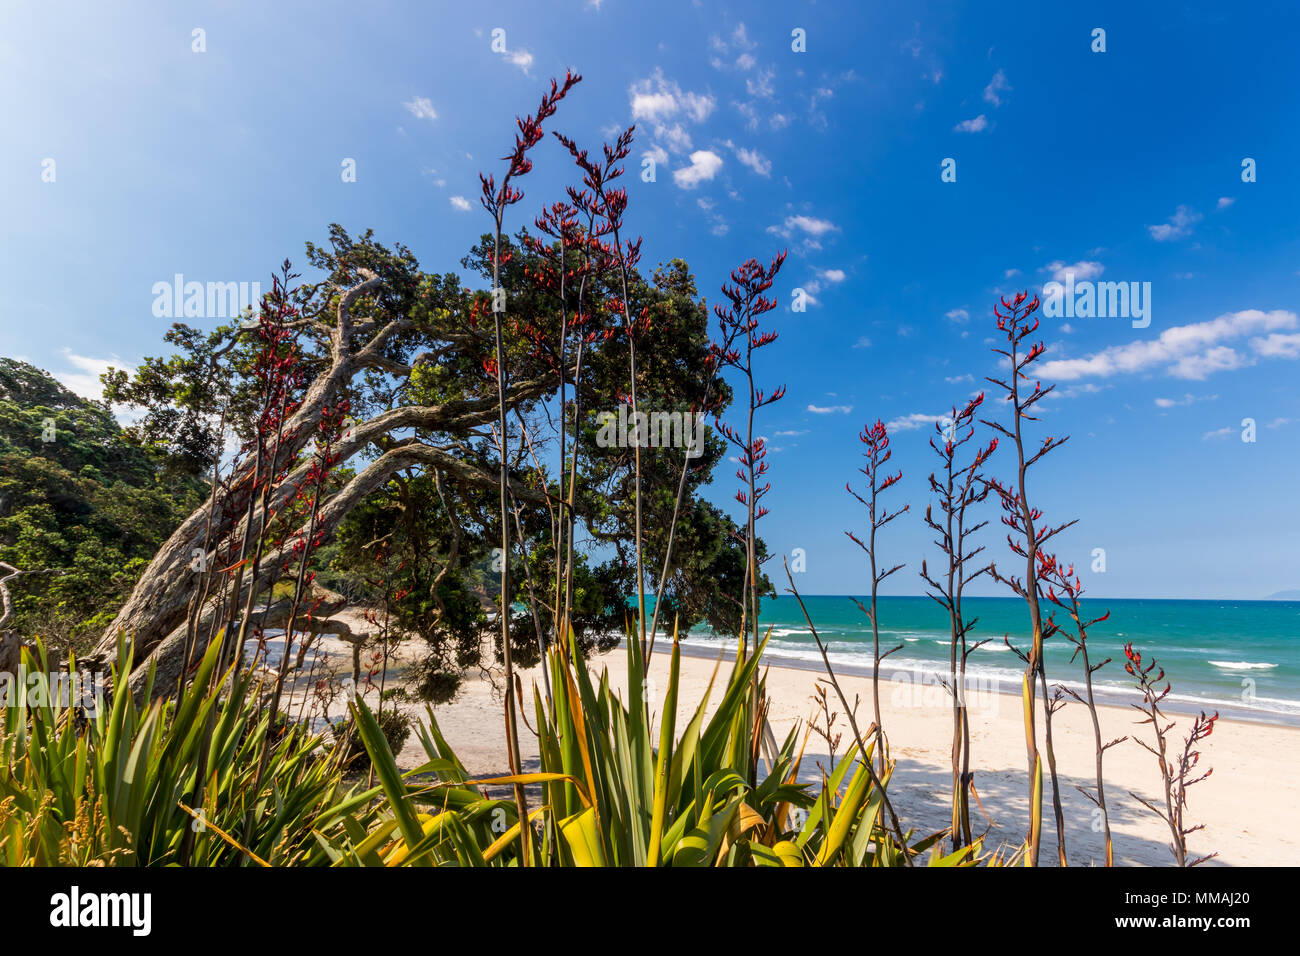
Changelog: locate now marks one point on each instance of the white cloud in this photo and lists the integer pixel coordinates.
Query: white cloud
(676, 136)
(1010, 273)
(717, 225)
(957, 315)
(1074, 391)
(1225, 202)
(658, 154)
(1221, 358)
(792, 433)
(704, 166)
(1187, 399)
(976, 125)
(652, 106)
(748, 111)
(912, 422)
(862, 343)
(1277, 345)
(740, 42)
(832, 275)
(666, 107)
(830, 409)
(421, 108)
(809, 230)
(460, 202)
(996, 85)
(1084, 269)
(954, 379)
(1187, 351)
(755, 161)
(1218, 433)
(760, 84)
(85, 381)
(520, 58)
(807, 224)
(1179, 225)
(657, 99)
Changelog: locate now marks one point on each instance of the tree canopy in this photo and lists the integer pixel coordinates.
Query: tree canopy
(390, 367)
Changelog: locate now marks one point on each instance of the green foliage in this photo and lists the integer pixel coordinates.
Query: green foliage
(396, 728)
(607, 796)
(88, 504)
(403, 548)
(108, 787)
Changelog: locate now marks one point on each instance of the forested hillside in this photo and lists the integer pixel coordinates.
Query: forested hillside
(79, 498)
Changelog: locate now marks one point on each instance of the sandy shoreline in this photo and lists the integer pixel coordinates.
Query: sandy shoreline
(1174, 705)
(1245, 805)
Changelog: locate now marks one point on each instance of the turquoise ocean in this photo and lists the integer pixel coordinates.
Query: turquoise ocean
(1242, 657)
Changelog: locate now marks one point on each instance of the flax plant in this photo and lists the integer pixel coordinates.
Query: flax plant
(1016, 321)
(740, 321)
(692, 806)
(608, 204)
(1070, 588)
(864, 751)
(104, 782)
(959, 488)
(496, 200)
(1177, 772)
(876, 440)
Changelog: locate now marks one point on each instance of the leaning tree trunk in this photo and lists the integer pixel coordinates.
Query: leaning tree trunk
(160, 603)
(171, 664)
(163, 596)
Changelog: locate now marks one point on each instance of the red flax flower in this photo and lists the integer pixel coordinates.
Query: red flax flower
(1180, 772)
(495, 200)
(1064, 590)
(1016, 320)
(741, 337)
(958, 487)
(609, 204)
(876, 455)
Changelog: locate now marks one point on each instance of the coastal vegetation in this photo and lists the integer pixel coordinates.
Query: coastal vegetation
(385, 437)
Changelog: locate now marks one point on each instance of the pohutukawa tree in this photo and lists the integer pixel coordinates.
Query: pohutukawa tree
(367, 333)
(450, 399)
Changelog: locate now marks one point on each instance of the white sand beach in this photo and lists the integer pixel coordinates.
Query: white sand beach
(1245, 805)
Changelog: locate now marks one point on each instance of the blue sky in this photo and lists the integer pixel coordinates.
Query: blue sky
(1118, 166)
